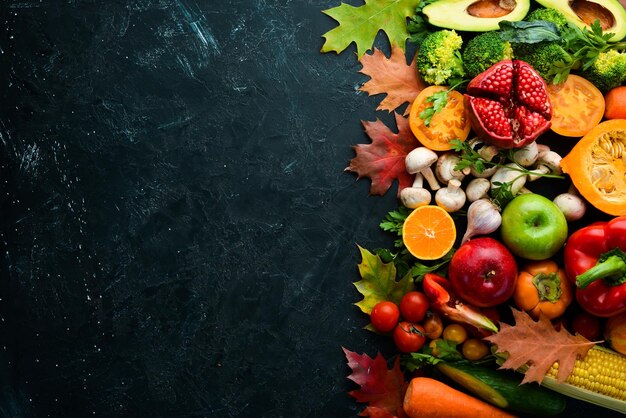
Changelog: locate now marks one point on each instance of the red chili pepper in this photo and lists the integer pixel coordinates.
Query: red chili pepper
(444, 302)
(595, 259)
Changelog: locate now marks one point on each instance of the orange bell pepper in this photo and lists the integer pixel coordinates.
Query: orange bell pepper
(542, 287)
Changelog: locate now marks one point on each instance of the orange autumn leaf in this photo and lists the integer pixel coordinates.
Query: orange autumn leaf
(391, 76)
(538, 345)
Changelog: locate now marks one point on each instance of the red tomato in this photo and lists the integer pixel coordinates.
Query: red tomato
(587, 325)
(616, 103)
(413, 306)
(385, 316)
(409, 337)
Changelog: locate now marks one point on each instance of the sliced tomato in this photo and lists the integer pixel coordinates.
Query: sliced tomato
(577, 106)
(451, 123)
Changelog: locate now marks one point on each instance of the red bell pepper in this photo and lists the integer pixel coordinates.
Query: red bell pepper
(595, 260)
(444, 302)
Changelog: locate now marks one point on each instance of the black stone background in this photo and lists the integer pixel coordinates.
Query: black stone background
(179, 237)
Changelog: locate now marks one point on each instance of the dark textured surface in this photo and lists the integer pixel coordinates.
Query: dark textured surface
(178, 233)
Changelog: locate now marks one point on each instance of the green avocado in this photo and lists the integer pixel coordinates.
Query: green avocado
(582, 13)
(473, 15)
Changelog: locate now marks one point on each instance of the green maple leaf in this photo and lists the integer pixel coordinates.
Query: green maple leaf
(361, 24)
(378, 282)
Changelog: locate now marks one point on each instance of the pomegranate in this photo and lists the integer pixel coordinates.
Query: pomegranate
(509, 104)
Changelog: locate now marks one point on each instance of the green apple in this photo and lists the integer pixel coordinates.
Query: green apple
(533, 227)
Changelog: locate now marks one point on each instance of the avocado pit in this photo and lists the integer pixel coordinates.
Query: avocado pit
(490, 8)
(589, 12)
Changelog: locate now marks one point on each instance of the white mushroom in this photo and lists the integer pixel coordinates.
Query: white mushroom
(527, 155)
(477, 188)
(488, 152)
(419, 160)
(572, 206)
(548, 162)
(415, 196)
(508, 174)
(445, 168)
(451, 198)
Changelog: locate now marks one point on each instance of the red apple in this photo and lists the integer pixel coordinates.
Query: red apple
(483, 272)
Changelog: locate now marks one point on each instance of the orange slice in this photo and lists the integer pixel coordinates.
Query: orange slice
(429, 232)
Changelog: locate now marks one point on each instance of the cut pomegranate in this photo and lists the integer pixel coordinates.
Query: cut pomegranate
(509, 104)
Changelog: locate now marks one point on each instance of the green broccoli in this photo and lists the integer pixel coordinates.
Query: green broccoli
(439, 59)
(541, 56)
(549, 15)
(483, 51)
(608, 70)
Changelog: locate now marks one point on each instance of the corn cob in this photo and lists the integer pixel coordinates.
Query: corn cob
(598, 378)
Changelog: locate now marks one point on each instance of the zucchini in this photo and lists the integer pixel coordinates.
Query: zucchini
(504, 389)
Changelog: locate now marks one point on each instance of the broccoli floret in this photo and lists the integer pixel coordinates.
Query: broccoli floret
(608, 70)
(541, 56)
(483, 51)
(549, 15)
(439, 58)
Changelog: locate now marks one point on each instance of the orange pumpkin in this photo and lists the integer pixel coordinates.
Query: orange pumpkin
(597, 166)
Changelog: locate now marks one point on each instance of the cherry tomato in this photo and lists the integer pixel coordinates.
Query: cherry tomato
(474, 349)
(409, 337)
(413, 306)
(455, 333)
(385, 316)
(433, 326)
(587, 325)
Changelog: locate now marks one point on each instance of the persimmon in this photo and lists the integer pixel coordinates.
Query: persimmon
(452, 122)
(542, 288)
(615, 101)
(577, 106)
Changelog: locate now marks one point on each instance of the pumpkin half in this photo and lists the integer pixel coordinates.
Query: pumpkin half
(597, 166)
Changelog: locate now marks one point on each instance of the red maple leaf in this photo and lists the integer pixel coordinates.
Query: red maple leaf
(383, 160)
(383, 389)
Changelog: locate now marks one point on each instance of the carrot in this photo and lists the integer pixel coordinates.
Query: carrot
(427, 397)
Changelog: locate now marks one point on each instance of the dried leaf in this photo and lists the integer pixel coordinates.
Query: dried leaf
(378, 282)
(381, 388)
(361, 24)
(391, 76)
(383, 160)
(539, 345)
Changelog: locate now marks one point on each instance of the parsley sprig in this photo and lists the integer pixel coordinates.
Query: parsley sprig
(502, 193)
(439, 101)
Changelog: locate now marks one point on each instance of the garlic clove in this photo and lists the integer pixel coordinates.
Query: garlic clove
(483, 217)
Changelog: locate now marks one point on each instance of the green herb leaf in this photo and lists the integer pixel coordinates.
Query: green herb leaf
(529, 32)
(439, 101)
(418, 27)
(502, 193)
(419, 270)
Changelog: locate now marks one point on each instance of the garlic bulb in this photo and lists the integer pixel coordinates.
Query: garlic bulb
(483, 217)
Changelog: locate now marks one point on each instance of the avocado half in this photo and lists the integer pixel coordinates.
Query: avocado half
(475, 15)
(582, 13)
